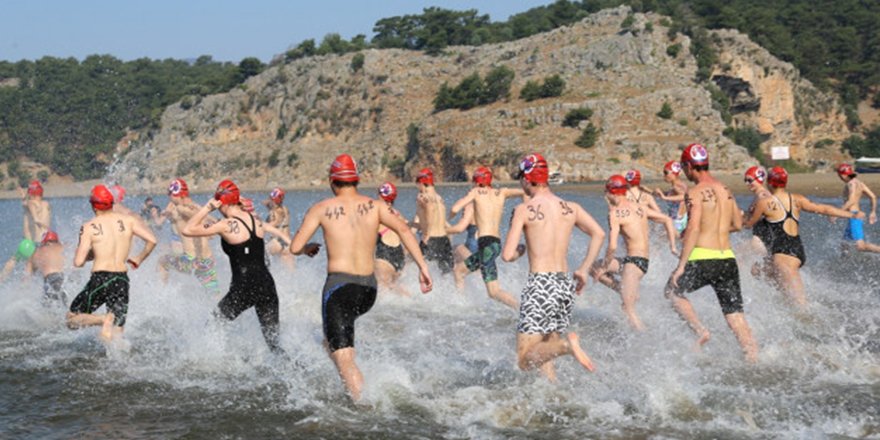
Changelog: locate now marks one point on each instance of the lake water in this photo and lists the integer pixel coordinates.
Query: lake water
(443, 365)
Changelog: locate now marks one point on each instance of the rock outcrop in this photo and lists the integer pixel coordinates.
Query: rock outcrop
(284, 126)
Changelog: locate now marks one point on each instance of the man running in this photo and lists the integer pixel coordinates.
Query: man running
(48, 260)
(37, 212)
(852, 196)
(431, 221)
(488, 205)
(279, 217)
(548, 297)
(242, 241)
(106, 240)
(630, 220)
(196, 256)
(636, 193)
(706, 258)
(349, 221)
(780, 215)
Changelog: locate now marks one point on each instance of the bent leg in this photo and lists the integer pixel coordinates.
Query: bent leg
(534, 350)
(349, 372)
(788, 278)
(686, 311)
(80, 320)
(460, 271)
(864, 246)
(629, 294)
(267, 314)
(498, 294)
(742, 331)
(608, 278)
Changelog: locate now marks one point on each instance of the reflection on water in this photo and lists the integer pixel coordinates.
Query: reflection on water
(443, 364)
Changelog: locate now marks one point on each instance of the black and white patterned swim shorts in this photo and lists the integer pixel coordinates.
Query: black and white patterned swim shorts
(546, 303)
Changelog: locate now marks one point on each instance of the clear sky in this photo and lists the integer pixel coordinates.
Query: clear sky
(182, 29)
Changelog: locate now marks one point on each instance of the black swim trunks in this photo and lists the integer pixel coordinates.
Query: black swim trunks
(488, 250)
(721, 274)
(53, 289)
(391, 254)
(438, 249)
(344, 298)
(109, 288)
(640, 262)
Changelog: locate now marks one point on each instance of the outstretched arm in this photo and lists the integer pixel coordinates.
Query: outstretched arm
(659, 217)
(300, 245)
(466, 217)
(823, 209)
(756, 211)
(462, 202)
(390, 219)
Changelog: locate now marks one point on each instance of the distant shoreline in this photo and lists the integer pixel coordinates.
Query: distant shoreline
(813, 184)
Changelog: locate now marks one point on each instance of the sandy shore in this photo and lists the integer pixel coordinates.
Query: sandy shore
(822, 185)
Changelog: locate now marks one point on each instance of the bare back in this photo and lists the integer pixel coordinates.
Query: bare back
(548, 222)
(49, 258)
(38, 215)
(489, 209)
(349, 224)
(713, 205)
(432, 214)
(109, 238)
(179, 216)
(633, 222)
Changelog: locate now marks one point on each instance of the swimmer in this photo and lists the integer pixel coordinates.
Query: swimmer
(674, 198)
(755, 178)
(389, 250)
(48, 260)
(241, 236)
(636, 193)
(488, 207)
(852, 196)
(631, 221)
(106, 240)
(706, 258)
(547, 300)
(781, 214)
(279, 217)
(37, 212)
(431, 222)
(151, 213)
(350, 221)
(195, 256)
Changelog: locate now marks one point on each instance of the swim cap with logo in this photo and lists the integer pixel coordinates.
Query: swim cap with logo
(35, 188)
(343, 169)
(388, 192)
(49, 237)
(247, 205)
(227, 193)
(845, 169)
(25, 249)
(756, 173)
(425, 177)
(483, 176)
(673, 167)
(118, 193)
(534, 169)
(178, 188)
(634, 177)
(616, 185)
(101, 198)
(777, 177)
(277, 196)
(695, 154)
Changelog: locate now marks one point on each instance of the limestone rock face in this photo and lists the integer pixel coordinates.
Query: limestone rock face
(284, 126)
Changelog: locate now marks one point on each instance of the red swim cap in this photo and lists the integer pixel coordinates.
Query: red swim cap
(634, 177)
(35, 188)
(777, 177)
(101, 198)
(616, 185)
(343, 169)
(118, 193)
(756, 173)
(672, 167)
(695, 154)
(534, 169)
(483, 176)
(845, 169)
(277, 196)
(247, 205)
(388, 192)
(227, 193)
(178, 188)
(425, 176)
(49, 237)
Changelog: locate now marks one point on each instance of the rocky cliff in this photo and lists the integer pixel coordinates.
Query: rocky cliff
(284, 126)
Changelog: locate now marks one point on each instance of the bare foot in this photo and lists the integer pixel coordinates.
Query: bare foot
(107, 328)
(574, 343)
(702, 340)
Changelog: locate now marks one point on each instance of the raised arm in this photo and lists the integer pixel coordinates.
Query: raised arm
(513, 192)
(821, 208)
(466, 217)
(462, 202)
(196, 226)
(659, 217)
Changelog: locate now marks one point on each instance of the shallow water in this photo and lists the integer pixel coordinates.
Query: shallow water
(442, 365)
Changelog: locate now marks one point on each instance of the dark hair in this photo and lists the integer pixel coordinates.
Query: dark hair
(700, 167)
(339, 184)
(148, 199)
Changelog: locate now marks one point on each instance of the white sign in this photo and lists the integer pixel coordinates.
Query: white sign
(779, 153)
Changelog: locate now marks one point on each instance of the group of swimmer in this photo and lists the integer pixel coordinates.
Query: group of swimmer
(365, 239)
